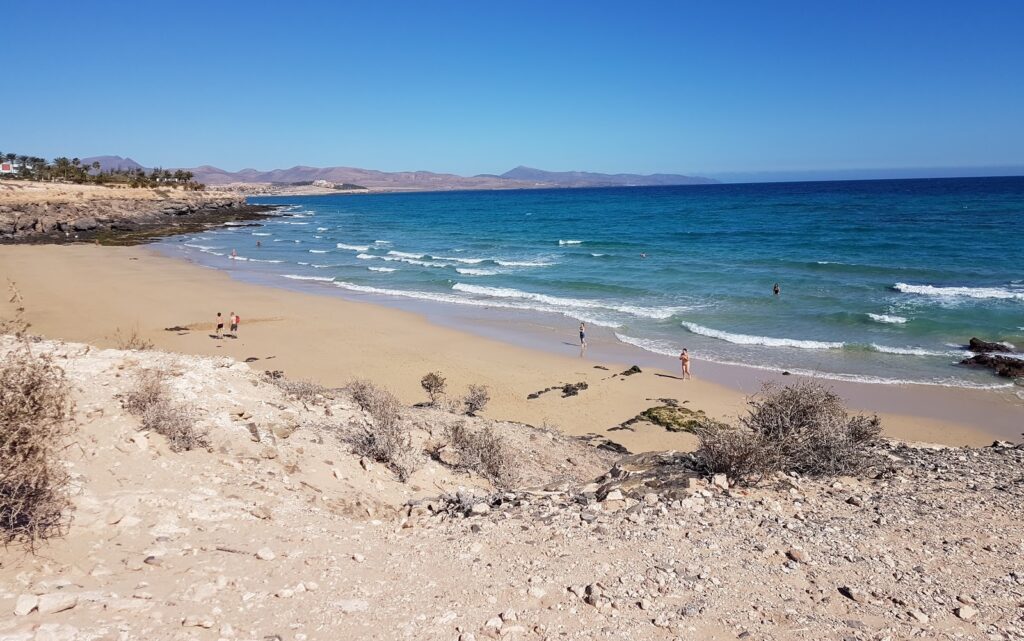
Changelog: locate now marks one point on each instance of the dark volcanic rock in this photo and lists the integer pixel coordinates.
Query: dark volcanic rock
(980, 346)
(632, 370)
(1005, 366)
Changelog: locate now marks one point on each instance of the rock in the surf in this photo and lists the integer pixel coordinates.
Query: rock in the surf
(983, 347)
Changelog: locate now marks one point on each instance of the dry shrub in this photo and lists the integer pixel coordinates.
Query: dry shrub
(131, 341)
(434, 384)
(35, 410)
(306, 392)
(476, 399)
(801, 428)
(150, 399)
(484, 451)
(388, 439)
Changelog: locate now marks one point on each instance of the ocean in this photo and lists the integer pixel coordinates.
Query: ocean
(881, 281)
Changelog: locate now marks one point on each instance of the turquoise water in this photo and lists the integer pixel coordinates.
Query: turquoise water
(881, 281)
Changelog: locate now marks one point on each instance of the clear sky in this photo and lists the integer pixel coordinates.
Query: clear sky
(710, 88)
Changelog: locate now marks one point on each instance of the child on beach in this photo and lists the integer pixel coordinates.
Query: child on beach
(220, 324)
(234, 319)
(684, 361)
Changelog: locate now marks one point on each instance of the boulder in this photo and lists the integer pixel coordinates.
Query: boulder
(84, 224)
(983, 347)
(1005, 366)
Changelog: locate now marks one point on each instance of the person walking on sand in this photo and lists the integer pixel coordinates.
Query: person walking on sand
(684, 362)
(234, 319)
(583, 334)
(220, 324)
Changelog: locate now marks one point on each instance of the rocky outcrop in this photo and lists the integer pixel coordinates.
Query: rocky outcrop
(110, 219)
(979, 346)
(1006, 366)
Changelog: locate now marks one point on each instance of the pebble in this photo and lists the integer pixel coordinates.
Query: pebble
(196, 621)
(480, 509)
(798, 555)
(358, 558)
(265, 554)
(56, 602)
(348, 606)
(966, 612)
(25, 604)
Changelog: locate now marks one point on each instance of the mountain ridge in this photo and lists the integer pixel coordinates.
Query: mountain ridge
(520, 177)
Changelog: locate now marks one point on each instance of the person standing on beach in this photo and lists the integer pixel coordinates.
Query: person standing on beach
(234, 254)
(583, 334)
(776, 289)
(233, 319)
(684, 361)
(220, 324)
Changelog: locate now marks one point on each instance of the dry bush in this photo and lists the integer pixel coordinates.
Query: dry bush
(476, 399)
(150, 399)
(35, 411)
(434, 384)
(132, 341)
(801, 428)
(306, 392)
(388, 440)
(484, 451)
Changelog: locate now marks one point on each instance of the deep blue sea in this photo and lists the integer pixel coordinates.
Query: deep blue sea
(881, 281)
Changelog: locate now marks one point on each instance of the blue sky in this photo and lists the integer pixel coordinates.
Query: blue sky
(711, 88)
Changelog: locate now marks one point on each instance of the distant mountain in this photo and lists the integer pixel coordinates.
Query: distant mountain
(369, 178)
(112, 162)
(518, 178)
(591, 179)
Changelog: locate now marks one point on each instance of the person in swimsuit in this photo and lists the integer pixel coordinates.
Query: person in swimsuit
(684, 361)
(234, 254)
(220, 324)
(776, 289)
(234, 324)
(583, 334)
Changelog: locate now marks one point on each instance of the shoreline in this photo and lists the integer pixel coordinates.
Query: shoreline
(84, 293)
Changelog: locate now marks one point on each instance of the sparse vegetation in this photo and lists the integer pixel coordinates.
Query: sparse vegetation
(801, 428)
(131, 341)
(388, 440)
(306, 392)
(476, 399)
(434, 384)
(35, 411)
(484, 451)
(150, 399)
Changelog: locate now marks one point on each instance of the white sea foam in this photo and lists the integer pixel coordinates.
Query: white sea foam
(570, 242)
(405, 254)
(906, 351)
(767, 341)
(258, 260)
(324, 279)
(382, 242)
(597, 255)
(524, 263)
(561, 303)
(288, 222)
(467, 261)
(201, 247)
(400, 259)
(318, 251)
(960, 292)
(318, 266)
(355, 248)
(887, 318)
(322, 228)
(476, 302)
(261, 233)
(476, 272)
(382, 269)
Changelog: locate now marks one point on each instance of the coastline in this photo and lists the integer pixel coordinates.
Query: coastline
(85, 293)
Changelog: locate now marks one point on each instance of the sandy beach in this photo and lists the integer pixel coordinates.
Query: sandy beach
(89, 293)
